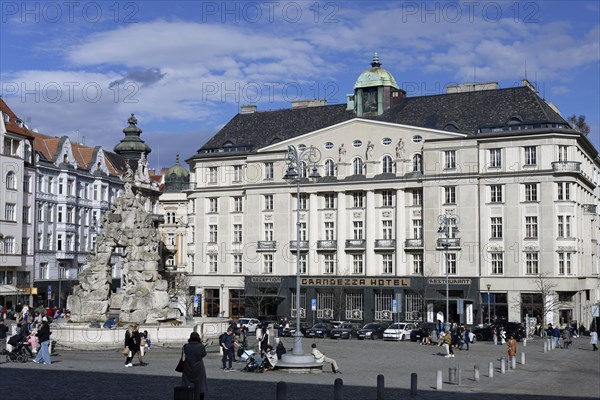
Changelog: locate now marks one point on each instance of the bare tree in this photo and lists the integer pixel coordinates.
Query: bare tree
(181, 290)
(419, 289)
(546, 287)
(578, 123)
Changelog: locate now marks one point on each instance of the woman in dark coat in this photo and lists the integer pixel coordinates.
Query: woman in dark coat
(194, 373)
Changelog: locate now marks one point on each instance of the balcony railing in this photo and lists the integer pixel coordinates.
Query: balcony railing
(566, 166)
(294, 245)
(590, 209)
(413, 243)
(266, 245)
(385, 244)
(448, 242)
(327, 245)
(355, 244)
(65, 255)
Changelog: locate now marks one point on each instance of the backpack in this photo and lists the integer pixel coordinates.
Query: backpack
(222, 339)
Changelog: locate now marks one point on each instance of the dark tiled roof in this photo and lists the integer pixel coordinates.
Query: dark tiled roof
(468, 111)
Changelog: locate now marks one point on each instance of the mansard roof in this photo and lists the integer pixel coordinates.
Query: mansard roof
(14, 123)
(472, 113)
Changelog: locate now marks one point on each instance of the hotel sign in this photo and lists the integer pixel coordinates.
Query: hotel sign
(266, 279)
(355, 282)
(454, 281)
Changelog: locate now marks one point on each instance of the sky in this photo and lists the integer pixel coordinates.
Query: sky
(185, 67)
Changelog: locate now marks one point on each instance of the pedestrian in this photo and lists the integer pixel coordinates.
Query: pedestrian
(3, 331)
(139, 343)
(511, 351)
(194, 373)
(321, 358)
(566, 338)
(131, 345)
(43, 355)
(594, 339)
(447, 343)
(467, 338)
(494, 335)
(556, 337)
(263, 339)
(238, 343)
(502, 335)
(226, 342)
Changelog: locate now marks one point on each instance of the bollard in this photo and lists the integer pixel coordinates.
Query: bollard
(551, 344)
(413, 384)
(513, 362)
(452, 375)
(502, 365)
(525, 342)
(476, 373)
(491, 370)
(380, 387)
(523, 358)
(281, 393)
(545, 347)
(338, 389)
(459, 376)
(438, 384)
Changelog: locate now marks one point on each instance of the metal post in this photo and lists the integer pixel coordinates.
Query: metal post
(491, 369)
(281, 393)
(298, 334)
(458, 376)
(513, 362)
(439, 379)
(523, 358)
(338, 389)
(413, 384)
(452, 375)
(476, 373)
(489, 286)
(380, 387)
(502, 365)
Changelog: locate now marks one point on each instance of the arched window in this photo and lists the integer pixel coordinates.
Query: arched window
(65, 159)
(417, 163)
(388, 165)
(357, 166)
(11, 180)
(329, 168)
(304, 170)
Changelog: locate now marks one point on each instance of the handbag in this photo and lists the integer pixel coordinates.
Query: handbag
(126, 351)
(179, 367)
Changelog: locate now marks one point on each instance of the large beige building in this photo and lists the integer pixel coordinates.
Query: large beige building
(484, 190)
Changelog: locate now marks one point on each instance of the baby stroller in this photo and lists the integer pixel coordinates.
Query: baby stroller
(20, 352)
(254, 364)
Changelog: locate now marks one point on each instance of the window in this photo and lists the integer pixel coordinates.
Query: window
(60, 214)
(303, 169)
(70, 215)
(303, 263)
(269, 231)
(237, 204)
(237, 233)
(358, 230)
(386, 141)
(356, 143)
(387, 229)
(496, 225)
(96, 192)
(564, 190)
(530, 155)
(388, 165)
(417, 197)
(213, 205)
(450, 195)
(531, 227)
(237, 264)
(387, 198)
(357, 264)
(50, 213)
(237, 173)
(329, 231)
(496, 193)
(9, 245)
(329, 264)
(563, 153)
(9, 212)
(61, 184)
(417, 139)
(358, 199)
(531, 192)
(357, 166)
(451, 263)
(495, 158)
(417, 264)
(59, 242)
(27, 183)
(268, 202)
(328, 145)
(564, 226)
(267, 263)
(497, 260)
(70, 187)
(417, 165)
(50, 185)
(212, 263)
(43, 271)
(11, 181)
(302, 229)
(268, 170)
(40, 213)
(212, 174)
(564, 264)
(171, 239)
(69, 242)
(303, 201)
(417, 225)
(388, 264)
(329, 168)
(170, 218)
(531, 263)
(330, 200)
(212, 233)
(450, 159)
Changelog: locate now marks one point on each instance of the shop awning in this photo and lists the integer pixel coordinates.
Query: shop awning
(9, 290)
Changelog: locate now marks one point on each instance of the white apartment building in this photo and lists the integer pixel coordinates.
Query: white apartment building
(16, 207)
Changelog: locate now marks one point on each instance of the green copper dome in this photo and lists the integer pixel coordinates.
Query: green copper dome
(177, 173)
(132, 146)
(375, 76)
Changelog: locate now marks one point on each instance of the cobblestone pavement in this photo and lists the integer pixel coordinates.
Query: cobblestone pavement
(83, 375)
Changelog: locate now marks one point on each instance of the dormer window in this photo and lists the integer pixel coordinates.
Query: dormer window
(515, 120)
(6, 117)
(65, 159)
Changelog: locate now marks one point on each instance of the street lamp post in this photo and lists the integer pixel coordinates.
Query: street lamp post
(448, 226)
(296, 160)
(489, 286)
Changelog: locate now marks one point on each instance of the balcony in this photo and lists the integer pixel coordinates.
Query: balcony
(326, 245)
(590, 209)
(566, 166)
(266, 245)
(413, 244)
(356, 245)
(65, 255)
(385, 244)
(442, 243)
(303, 245)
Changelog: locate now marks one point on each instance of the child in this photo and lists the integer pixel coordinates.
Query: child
(148, 341)
(33, 341)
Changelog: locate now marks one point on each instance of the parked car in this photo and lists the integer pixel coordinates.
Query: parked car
(291, 329)
(346, 330)
(398, 331)
(250, 323)
(322, 329)
(511, 328)
(270, 320)
(372, 330)
(417, 334)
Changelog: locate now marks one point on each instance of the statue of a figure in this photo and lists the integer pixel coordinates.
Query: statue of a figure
(369, 152)
(142, 175)
(342, 152)
(400, 149)
(128, 179)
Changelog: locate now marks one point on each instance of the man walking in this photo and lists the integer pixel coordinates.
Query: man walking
(226, 341)
(43, 356)
(3, 331)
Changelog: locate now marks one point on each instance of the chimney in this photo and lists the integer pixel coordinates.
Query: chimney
(308, 103)
(248, 109)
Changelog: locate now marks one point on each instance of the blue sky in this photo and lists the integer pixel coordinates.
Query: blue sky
(185, 67)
